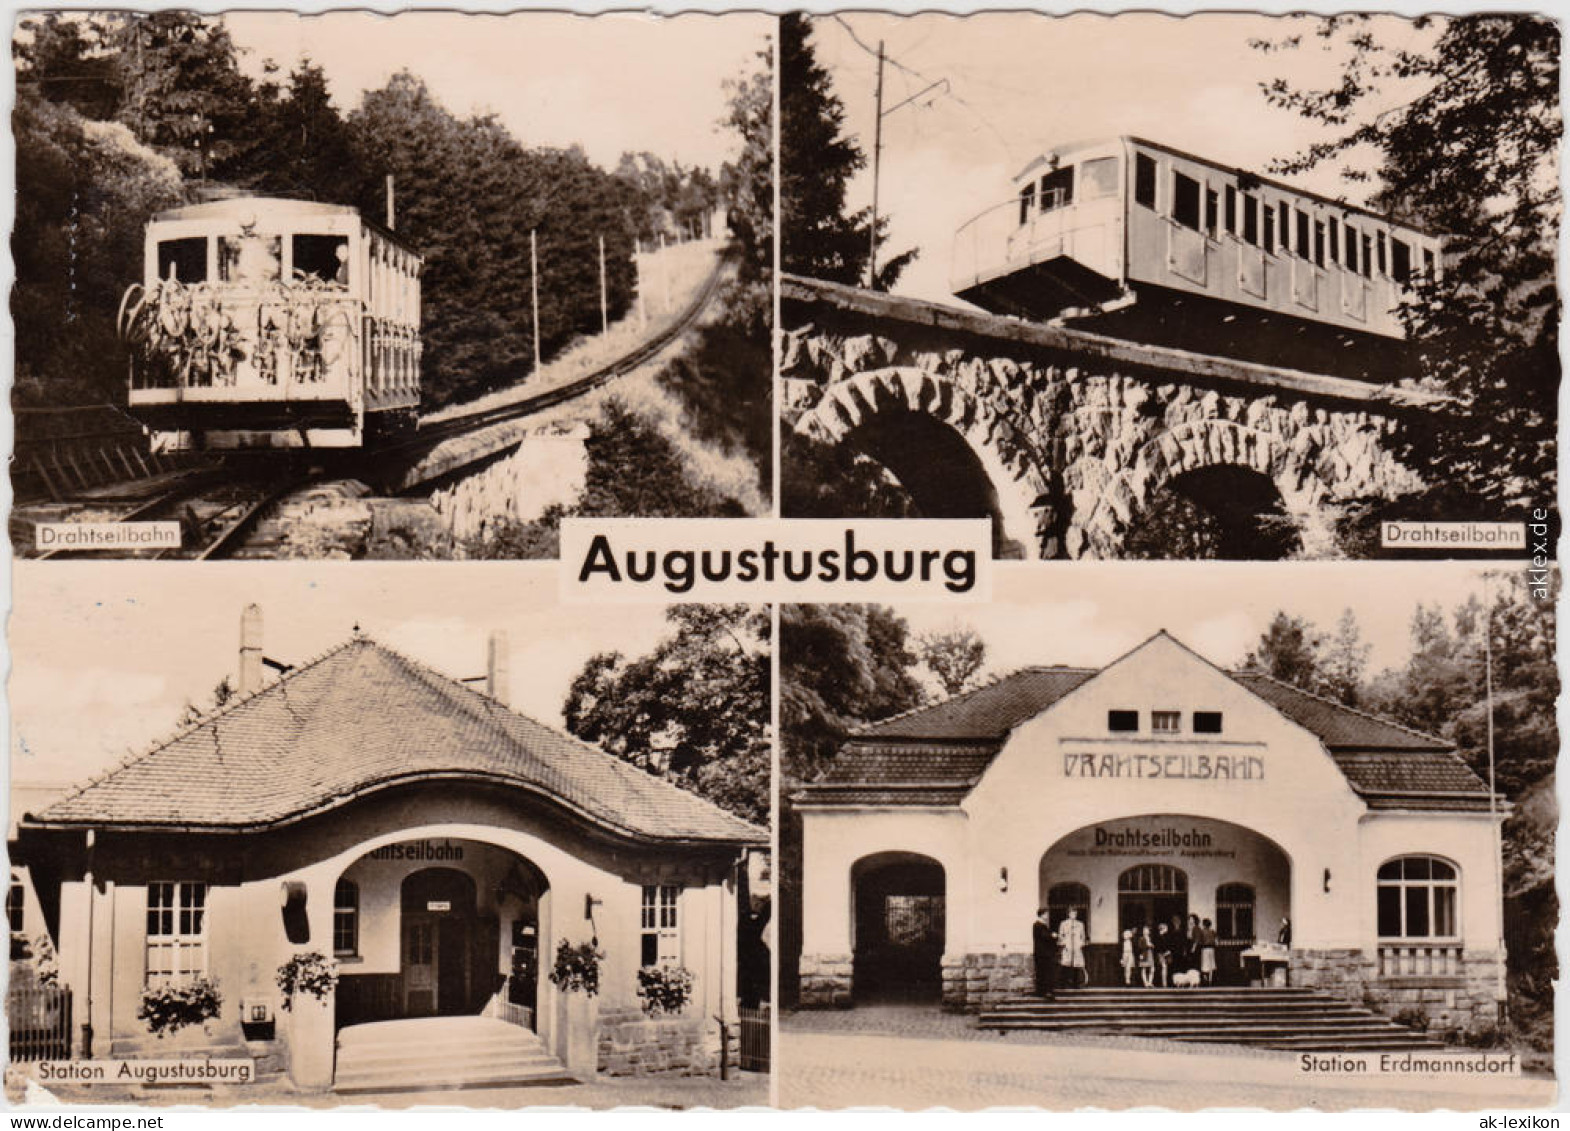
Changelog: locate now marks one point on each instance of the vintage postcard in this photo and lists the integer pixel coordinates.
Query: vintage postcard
(293, 286)
(384, 836)
(1175, 836)
(1223, 286)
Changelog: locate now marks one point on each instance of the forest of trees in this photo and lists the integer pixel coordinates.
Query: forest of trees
(121, 114)
(842, 666)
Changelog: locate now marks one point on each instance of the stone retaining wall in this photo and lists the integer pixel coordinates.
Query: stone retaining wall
(633, 1044)
(973, 982)
(824, 981)
(1450, 1002)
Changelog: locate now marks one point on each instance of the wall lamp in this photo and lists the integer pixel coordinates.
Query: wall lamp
(1003, 878)
(1327, 879)
(589, 904)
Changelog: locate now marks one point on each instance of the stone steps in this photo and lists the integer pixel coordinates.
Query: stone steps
(437, 1053)
(1280, 1018)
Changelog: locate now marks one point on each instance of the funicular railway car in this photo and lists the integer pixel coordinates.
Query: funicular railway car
(271, 323)
(1140, 241)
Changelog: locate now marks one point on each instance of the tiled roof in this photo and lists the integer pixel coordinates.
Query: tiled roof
(989, 712)
(948, 746)
(362, 717)
(1338, 727)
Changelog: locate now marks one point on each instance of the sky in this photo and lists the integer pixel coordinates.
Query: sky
(1019, 84)
(1086, 614)
(611, 83)
(114, 651)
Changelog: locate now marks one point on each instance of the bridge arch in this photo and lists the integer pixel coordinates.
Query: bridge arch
(955, 455)
(1111, 501)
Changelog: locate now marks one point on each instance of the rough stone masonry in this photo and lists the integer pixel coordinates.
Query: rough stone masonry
(1077, 433)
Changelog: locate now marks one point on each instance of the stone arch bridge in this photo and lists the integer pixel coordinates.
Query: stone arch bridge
(1066, 437)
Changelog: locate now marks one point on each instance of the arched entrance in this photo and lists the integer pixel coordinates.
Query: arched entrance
(1128, 872)
(445, 944)
(439, 927)
(899, 922)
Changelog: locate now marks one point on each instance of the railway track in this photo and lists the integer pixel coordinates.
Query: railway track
(218, 509)
(528, 406)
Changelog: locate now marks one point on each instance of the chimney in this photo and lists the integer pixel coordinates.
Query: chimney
(250, 650)
(497, 682)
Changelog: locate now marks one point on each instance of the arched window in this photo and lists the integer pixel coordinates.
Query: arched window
(1061, 897)
(1418, 898)
(1160, 879)
(346, 918)
(1235, 913)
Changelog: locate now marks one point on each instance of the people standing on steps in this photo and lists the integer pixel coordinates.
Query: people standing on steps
(1163, 945)
(1145, 952)
(1126, 958)
(1045, 945)
(1071, 948)
(1207, 953)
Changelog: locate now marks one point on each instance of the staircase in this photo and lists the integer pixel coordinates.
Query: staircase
(1301, 1020)
(436, 1053)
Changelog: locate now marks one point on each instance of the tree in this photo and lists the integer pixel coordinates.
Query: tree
(1473, 154)
(1288, 651)
(1343, 659)
(84, 191)
(840, 665)
(954, 656)
(182, 91)
(818, 237)
(304, 147)
(747, 187)
(694, 710)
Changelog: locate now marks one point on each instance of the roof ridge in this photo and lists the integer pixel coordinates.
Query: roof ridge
(1339, 706)
(235, 702)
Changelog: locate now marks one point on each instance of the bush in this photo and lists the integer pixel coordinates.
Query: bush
(168, 1009)
(577, 967)
(1412, 1019)
(309, 973)
(664, 989)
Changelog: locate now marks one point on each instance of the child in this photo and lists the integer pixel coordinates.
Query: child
(1207, 953)
(1145, 952)
(1128, 958)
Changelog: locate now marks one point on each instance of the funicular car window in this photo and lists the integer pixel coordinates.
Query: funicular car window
(1185, 201)
(1099, 177)
(250, 259)
(183, 260)
(1057, 189)
(323, 258)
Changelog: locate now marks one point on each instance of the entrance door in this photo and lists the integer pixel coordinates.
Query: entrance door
(437, 962)
(419, 965)
(523, 986)
(1149, 894)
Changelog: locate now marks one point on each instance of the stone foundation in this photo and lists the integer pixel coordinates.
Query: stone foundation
(825, 981)
(634, 1044)
(973, 982)
(1452, 1002)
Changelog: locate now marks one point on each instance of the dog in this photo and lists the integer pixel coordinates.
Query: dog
(1186, 978)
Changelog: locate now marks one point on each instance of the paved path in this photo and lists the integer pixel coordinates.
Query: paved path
(837, 1070)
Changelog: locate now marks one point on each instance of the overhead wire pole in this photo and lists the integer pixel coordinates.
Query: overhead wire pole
(877, 156)
(605, 318)
(1500, 988)
(534, 295)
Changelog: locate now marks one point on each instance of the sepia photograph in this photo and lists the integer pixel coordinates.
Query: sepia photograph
(1224, 286)
(1284, 842)
(296, 286)
(376, 836)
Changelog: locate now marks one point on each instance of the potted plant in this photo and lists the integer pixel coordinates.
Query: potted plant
(577, 967)
(308, 974)
(171, 1006)
(664, 989)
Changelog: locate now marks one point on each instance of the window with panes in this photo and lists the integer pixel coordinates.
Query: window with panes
(661, 936)
(176, 931)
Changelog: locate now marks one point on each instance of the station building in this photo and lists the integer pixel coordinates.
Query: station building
(437, 845)
(1159, 785)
